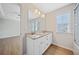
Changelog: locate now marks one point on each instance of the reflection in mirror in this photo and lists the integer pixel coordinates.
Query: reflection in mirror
(36, 22)
(35, 25)
(33, 22)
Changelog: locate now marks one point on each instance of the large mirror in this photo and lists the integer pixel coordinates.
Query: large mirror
(9, 20)
(36, 23)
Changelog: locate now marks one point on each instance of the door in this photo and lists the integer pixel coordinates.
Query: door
(76, 31)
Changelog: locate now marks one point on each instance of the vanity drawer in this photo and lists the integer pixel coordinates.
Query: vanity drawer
(38, 46)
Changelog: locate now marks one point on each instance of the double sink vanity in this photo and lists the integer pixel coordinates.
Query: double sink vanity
(37, 39)
(37, 43)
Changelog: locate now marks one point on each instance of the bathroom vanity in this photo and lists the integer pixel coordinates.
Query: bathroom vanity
(37, 40)
(37, 44)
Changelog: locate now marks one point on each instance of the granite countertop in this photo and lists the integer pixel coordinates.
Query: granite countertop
(38, 34)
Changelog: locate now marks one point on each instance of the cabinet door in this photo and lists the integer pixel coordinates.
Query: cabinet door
(29, 46)
(37, 46)
(43, 44)
(50, 38)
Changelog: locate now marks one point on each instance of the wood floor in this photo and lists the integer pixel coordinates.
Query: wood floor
(10, 46)
(55, 50)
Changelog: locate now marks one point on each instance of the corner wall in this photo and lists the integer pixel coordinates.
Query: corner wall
(64, 40)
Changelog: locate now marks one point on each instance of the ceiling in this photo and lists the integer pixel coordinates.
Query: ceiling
(10, 11)
(48, 7)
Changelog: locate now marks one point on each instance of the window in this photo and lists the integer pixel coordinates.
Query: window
(63, 23)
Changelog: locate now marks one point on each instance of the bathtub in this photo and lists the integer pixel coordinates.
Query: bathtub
(76, 49)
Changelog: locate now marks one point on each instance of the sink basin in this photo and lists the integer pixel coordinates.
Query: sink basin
(38, 34)
(35, 36)
(41, 33)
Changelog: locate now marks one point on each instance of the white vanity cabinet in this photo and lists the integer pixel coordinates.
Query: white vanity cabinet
(39, 45)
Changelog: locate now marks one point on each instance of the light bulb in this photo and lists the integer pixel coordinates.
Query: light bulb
(36, 10)
(39, 12)
(42, 15)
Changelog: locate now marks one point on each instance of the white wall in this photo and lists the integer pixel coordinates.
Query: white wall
(62, 39)
(9, 27)
(0, 26)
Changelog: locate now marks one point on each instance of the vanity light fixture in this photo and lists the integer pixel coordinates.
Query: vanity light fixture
(36, 10)
(39, 13)
(43, 16)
